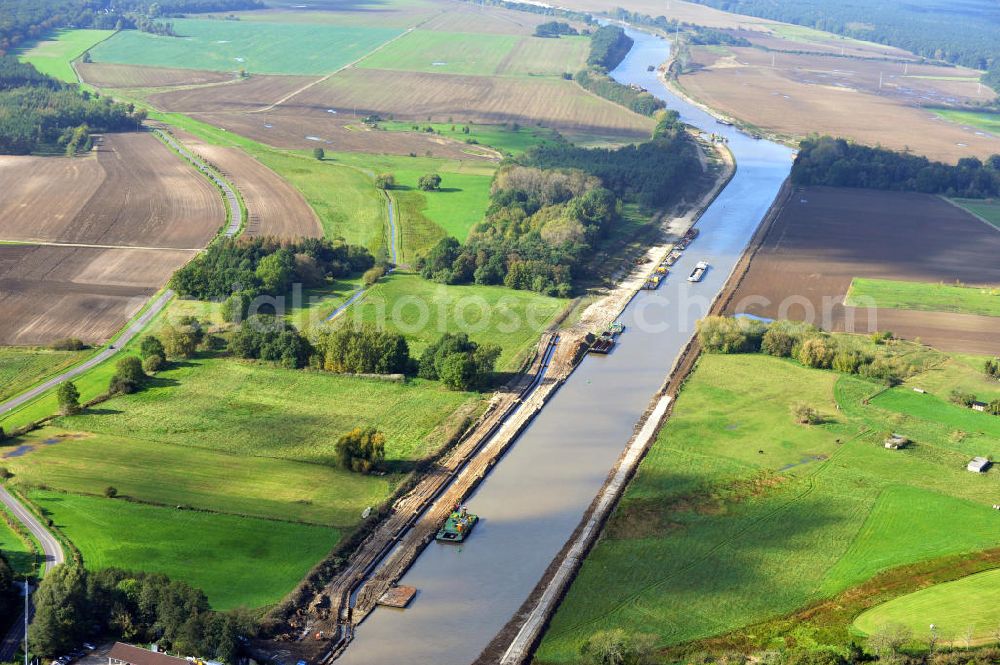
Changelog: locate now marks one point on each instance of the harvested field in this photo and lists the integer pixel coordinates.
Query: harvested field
(443, 52)
(830, 44)
(294, 126)
(416, 96)
(135, 192)
(467, 17)
(274, 207)
(385, 14)
(247, 95)
(535, 56)
(825, 237)
(794, 102)
(107, 75)
(50, 293)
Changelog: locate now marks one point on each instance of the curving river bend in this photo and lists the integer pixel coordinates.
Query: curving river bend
(536, 495)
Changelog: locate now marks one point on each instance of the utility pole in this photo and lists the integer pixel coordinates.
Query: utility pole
(880, 80)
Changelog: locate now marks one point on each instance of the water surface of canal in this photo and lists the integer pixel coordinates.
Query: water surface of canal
(536, 495)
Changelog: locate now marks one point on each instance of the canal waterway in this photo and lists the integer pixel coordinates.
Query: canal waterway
(535, 497)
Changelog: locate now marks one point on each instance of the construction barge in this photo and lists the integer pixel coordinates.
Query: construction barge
(699, 271)
(458, 526)
(605, 342)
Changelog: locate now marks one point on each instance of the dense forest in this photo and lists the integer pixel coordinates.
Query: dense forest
(608, 47)
(964, 33)
(839, 163)
(23, 21)
(549, 211)
(37, 112)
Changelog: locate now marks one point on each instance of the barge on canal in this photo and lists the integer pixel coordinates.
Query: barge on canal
(458, 526)
(699, 271)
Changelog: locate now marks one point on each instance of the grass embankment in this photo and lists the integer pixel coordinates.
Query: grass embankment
(21, 368)
(55, 56)
(969, 607)
(739, 515)
(256, 46)
(237, 561)
(925, 297)
(987, 209)
(19, 555)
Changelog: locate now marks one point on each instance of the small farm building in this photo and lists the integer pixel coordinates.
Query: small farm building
(127, 654)
(979, 465)
(896, 441)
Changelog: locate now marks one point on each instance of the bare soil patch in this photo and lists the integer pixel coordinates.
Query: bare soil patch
(49, 293)
(824, 237)
(466, 17)
(109, 75)
(274, 207)
(555, 103)
(247, 95)
(803, 94)
(132, 192)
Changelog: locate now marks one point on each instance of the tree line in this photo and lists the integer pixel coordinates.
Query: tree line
(554, 29)
(608, 47)
(38, 112)
(73, 604)
(840, 163)
(550, 208)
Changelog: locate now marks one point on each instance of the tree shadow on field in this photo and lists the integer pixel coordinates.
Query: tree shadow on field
(447, 190)
(737, 558)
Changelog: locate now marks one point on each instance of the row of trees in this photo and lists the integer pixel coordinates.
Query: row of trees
(839, 163)
(802, 342)
(608, 47)
(37, 112)
(73, 605)
(240, 269)
(554, 29)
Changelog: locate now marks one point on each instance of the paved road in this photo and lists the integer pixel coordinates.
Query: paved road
(155, 307)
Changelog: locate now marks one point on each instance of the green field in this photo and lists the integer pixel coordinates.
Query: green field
(237, 561)
(925, 297)
(499, 137)
(443, 53)
(987, 122)
(266, 487)
(424, 310)
(254, 409)
(987, 209)
(22, 368)
(738, 515)
(257, 47)
(953, 607)
(55, 56)
(22, 559)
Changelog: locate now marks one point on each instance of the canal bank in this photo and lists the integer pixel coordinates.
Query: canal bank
(534, 499)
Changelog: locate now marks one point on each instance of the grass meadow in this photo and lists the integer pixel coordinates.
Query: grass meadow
(236, 561)
(738, 515)
(921, 296)
(21, 368)
(443, 53)
(987, 122)
(19, 555)
(499, 137)
(424, 310)
(955, 608)
(55, 56)
(258, 47)
(987, 209)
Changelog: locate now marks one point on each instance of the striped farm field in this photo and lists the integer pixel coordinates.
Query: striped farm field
(21, 368)
(55, 56)
(971, 604)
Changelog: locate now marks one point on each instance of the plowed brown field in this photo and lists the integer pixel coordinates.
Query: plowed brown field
(133, 192)
(824, 237)
(109, 75)
(804, 94)
(274, 208)
(49, 293)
